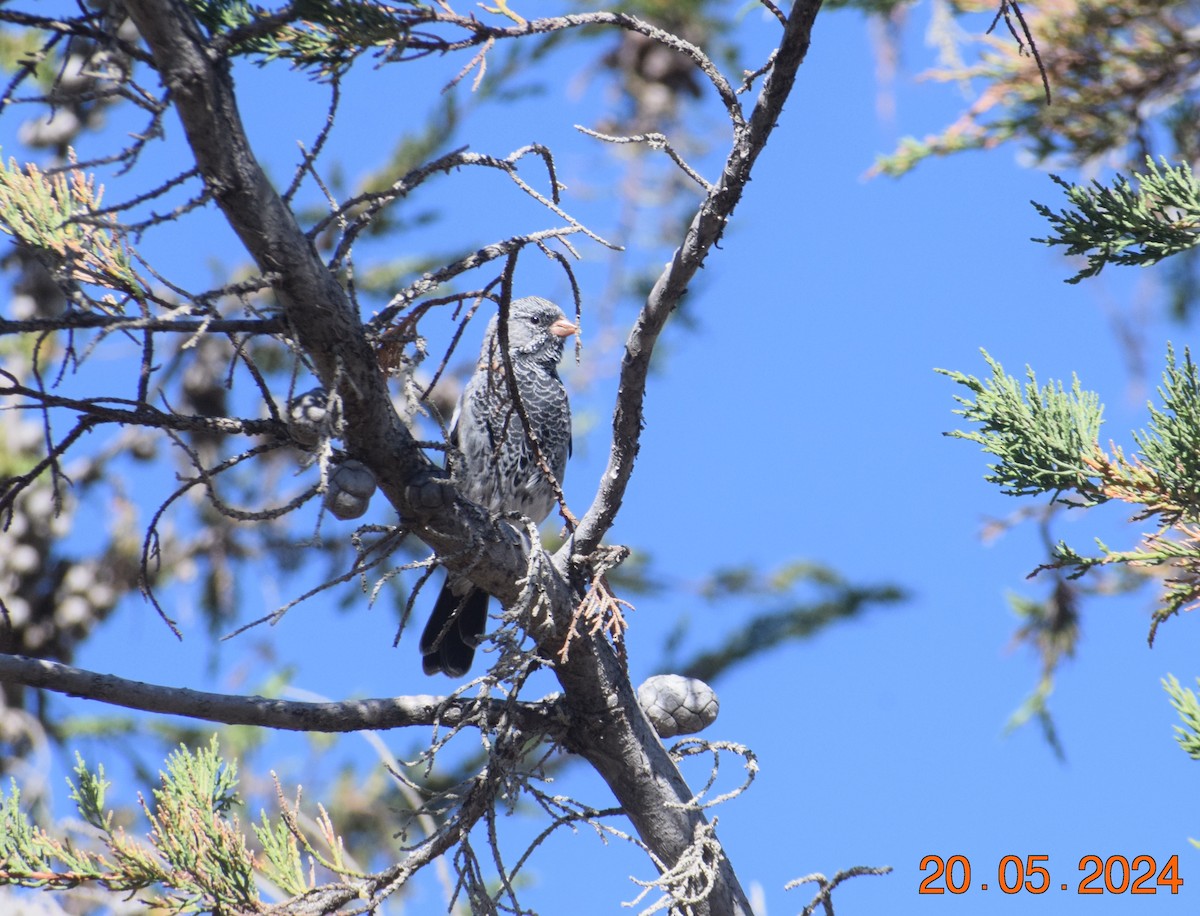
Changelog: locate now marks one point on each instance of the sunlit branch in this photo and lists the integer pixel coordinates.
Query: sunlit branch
(287, 715)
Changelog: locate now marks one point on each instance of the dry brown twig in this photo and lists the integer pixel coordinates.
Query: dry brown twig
(600, 608)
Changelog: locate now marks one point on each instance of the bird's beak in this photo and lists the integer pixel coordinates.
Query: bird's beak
(563, 328)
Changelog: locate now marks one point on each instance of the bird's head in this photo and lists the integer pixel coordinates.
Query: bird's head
(537, 329)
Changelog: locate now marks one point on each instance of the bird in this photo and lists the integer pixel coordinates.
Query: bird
(499, 468)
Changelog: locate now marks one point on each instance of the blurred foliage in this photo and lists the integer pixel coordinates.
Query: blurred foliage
(1119, 73)
(792, 614)
(1123, 94)
(40, 210)
(1123, 87)
(49, 208)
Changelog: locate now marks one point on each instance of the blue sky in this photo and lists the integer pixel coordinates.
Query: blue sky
(802, 418)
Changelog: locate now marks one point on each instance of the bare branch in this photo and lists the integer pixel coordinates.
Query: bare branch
(87, 320)
(826, 885)
(142, 414)
(480, 33)
(539, 718)
(654, 141)
(309, 158)
(602, 721)
(775, 11)
(431, 281)
(76, 26)
(1003, 12)
(14, 485)
(479, 799)
(706, 228)
(323, 320)
(366, 206)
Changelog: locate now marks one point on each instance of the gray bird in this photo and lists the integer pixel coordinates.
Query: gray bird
(499, 468)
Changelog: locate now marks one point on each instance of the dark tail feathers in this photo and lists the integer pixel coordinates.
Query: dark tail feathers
(454, 629)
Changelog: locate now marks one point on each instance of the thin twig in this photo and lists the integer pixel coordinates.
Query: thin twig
(706, 229)
(1003, 13)
(827, 885)
(514, 394)
(654, 141)
(433, 280)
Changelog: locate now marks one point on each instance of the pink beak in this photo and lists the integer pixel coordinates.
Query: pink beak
(563, 328)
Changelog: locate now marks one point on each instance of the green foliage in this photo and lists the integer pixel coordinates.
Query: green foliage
(1042, 435)
(1125, 224)
(197, 859)
(1188, 707)
(317, 35)
(281, 853)
(18, 47)
(1036, 707)
(1172, 445)
(1047, 442)
(1119, 73)
(88, 795)
(192, 832)
(220, 16)
(32, 858)
(911, 151)
(53, 214)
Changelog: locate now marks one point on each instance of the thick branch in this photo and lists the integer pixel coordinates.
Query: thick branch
(347, 716)
(606, 725)
(324, 320)
(609, 728)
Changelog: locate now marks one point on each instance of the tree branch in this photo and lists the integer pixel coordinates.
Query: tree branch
(706, 228)
(609, 729)
(605, 723)
(325, 322)
(287, 715)
(87, 320)
(97, 410)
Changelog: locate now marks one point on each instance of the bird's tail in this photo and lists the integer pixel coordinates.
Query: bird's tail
(454, 629)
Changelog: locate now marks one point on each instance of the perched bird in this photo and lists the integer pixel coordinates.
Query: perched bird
(499, 467)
